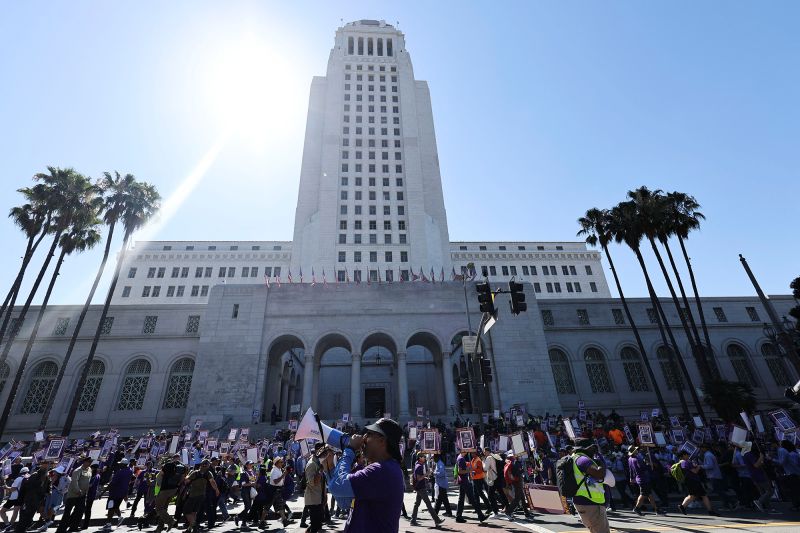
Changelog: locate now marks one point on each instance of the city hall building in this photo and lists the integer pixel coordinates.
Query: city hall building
(363, 311)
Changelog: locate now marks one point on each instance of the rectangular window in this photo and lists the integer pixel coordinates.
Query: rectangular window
(753, 314)
(176, 271)
(222, 271)
(204, 290)
(268, 271)
(245, 272)
(652, 316)
(720, 314)
(195, 290)
(504, 269)
(387, 257)
(235, 312)
(61, 326)
(145, 291)
(161, 271)
(193, 324)
(357, 238)
(537, 287)
(545, 271)
(577, 286)
(593, 286)
(547, 317)
(198, 272)
(108, 323)
(552, 270)
(513, 270)
(126, 291)
(387, 238)
(619, 318)
(185, 272)
(402, 238)
(583, 317)
(549, 286)
(569, 286)
(342, 257)
(557, 286)
(170, 291)
(156, 291)
(533, 270)
(356, 257)
(588, 270)
(277, 272)
(572, 270)
(524, 270)
(342, 238)
(208, 272)
(151, 272)
(373, 257)
(404, 257)
(179, 291)
(340, 276)
(149, 326)
(231, 272)
(564, 270)
(492, 271)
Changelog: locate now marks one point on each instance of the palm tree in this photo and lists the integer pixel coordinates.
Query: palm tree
(138, 201)
(115, 189)
(626, 226)
(33, 218)
(82, 235)
(65, 189)
(595, 225)
(654, 212)
(686, 218)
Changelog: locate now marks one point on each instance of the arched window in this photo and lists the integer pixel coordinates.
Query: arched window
(775, 363)
(134, 387)
(634, 373)
(561, 372)
(42, 380)
(669, 368)
(180, 383)
(5, 371)
(597, 370)
(741, 365)
(92, 386)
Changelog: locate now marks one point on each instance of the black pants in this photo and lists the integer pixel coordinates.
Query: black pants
(465, 490)
(422, 496)
(497, 496)
(87, 511)
(73, 510)
(25, 519)
(481, 493)
(442, 500)
(519, 499)
(315, 517)
(139, 496)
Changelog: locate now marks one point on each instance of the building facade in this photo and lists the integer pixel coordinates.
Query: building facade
(363, 311)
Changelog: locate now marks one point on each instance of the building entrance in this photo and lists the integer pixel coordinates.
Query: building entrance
(374, 402)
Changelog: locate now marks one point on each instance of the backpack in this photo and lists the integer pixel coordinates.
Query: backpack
(677, 472)
(565, 477)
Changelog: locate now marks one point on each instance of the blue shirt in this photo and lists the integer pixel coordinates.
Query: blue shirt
(440, 474)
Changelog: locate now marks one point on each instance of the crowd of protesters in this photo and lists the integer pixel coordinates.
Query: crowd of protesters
(364, 484)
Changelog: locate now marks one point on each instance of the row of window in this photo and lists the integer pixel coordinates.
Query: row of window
(358, 154)
(358, 167)
(370, 87)
(547, 270)
(381, 68)
(600, 379)
(371, 77)
(388, 257)
(374, 46)
(373, 238)
(371, 181)
(619, 318)
(212, 247)
(370, 131)
(371, 98)
(132, 393)
(373, 195)
(177, 291)
(206, 272)
(719, 313)
(501, 247)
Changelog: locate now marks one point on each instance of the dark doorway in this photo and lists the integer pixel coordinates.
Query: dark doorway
(374, 402)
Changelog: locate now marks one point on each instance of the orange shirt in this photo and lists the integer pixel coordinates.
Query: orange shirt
(616, 435)
(477, 471)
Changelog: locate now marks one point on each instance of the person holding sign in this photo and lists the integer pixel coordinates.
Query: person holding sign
(694, 486)
(465, 489)
(421, 488)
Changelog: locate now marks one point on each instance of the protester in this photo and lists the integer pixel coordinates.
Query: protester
(754, 460)
(788, 459)
(479, 485)
(465, 489)
(590, 499)
(14, 501)
(441, 485)
(377, 489)
(76, 497)
(641, 476)
(694, 486)
(36, 489)
(421, 488)
(198, 481)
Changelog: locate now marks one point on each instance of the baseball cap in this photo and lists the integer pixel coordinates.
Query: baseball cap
(392, 432)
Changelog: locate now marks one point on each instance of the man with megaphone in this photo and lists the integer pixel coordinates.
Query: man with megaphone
(377, 489)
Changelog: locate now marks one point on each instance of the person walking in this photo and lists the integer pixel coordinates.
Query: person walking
(91, 495)
(421, 488)
(441, 485)
(641, 476)
(713, 473)
(198, 481)
(789, 461)
(34, 493)
(694, 486)
(513, 478)
(754, 460)
(117, 492)
(276, 479)
(14, 501)
(313, 492)
(76, 497)
(167, 483)
(465, 489)
(590, 499)
(495, 481)
(478, 475)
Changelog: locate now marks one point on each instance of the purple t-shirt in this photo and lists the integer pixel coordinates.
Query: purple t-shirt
(462, 465)
(688, 473)
(756, 473)
(583, 463)
(378, 489)
(639, 471)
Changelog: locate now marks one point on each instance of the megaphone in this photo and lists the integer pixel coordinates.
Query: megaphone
(310, 426)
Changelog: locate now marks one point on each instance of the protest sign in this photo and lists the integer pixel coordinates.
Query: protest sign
(660, 438)
(738, 435)
(782, 420)
(678, 436)
(545, 499)
(232, 433)
(674, 422)
(465, 439)
(518, 445)
(569, 429)
(55, 449)
(646, 434)
(430, 440)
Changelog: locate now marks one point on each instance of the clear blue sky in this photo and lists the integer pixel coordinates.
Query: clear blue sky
(547, 108)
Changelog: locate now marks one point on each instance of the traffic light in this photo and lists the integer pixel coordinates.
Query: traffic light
(517, 302)
(486, 298)
(486, 370)
(463, 393)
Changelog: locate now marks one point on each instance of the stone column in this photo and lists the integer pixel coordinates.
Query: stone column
(449, 387)
(402, 383)
(355, 388)
(284, 408)
(308, 383)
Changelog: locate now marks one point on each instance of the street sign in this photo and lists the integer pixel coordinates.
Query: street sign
(470, 344)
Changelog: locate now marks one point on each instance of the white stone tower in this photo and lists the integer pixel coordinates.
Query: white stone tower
(370, 200)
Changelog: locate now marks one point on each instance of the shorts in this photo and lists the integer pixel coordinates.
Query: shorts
(193, 504)
(695, 488)
(8, 504)
(645, 489)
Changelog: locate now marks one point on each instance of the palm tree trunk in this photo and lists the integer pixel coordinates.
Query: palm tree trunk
(701, 354)
(76, 332)
(639, 342)
(13, 334)
(13, 292)
(705, 375)
(657, 307)
(29, 346)
(76, 397)
(697, 302)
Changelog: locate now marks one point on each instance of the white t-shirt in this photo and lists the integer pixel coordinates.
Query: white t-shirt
(16, 485)
(274, 475)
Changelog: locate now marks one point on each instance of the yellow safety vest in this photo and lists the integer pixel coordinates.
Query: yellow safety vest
(591, 489)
